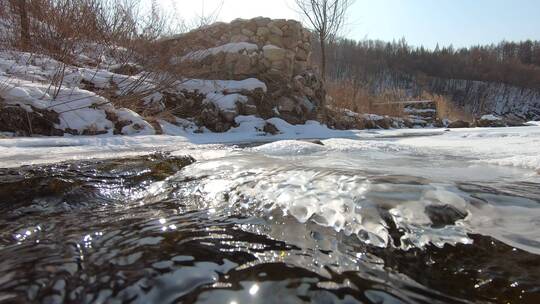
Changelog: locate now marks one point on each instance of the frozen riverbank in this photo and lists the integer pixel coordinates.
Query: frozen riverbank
(518, 146)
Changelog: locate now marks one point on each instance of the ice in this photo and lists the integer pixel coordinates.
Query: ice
(289, 147)
(310, 188)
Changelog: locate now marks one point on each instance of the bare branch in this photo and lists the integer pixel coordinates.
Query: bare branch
(326, 18)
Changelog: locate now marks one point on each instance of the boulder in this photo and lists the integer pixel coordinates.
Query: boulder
(286, 104)
(490, 121)
(263, 31)
(270, 129)
(274, 53)
(458, 124)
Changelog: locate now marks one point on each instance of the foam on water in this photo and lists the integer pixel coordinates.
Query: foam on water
(374, 207)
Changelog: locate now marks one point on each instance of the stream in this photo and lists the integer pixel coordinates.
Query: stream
(283, 222)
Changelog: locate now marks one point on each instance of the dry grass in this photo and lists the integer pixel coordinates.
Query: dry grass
(446, 109)
(65, 29)
(345, 94)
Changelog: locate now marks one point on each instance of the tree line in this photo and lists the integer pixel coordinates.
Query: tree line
(514, 63)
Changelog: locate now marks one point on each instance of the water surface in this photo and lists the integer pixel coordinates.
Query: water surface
(277, 223)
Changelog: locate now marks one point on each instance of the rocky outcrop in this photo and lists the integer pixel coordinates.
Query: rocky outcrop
(276, 52)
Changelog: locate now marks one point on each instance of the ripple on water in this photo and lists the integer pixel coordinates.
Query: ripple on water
(261, 229)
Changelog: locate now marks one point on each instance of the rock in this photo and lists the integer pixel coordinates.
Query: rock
(263, 31)
(282, 52)
(275, 30)
(239, 38)
(438, 123)
(247, 32)
(302, 55)
(261, 21)
(385, 123)
(127, 69)
(280, 23)
(15, 119)
(286, 104)
(490, 121)
(514, 121)
(274, 53)
(275, 40)
(271, 129)
(458, 124)
(242, 65)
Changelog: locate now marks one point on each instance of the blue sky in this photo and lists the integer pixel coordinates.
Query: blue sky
(421, 22)
(457, 22)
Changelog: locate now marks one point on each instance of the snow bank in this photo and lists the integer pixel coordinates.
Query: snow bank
(137, 125)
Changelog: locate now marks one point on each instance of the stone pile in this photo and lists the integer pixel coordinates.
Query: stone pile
(259, 47)
(277, 52)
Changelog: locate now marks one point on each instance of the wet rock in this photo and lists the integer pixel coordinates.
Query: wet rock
(444, 215)
(86, 180)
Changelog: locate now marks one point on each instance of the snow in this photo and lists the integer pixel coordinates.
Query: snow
(25, 81)
(223, 93)
(220, 86)
(413, 110)
(490, 117)
(73, 105)
(233, 47)
(270, 47)
(226, 102)
(172, 129)
(517, 147)
(137, 126)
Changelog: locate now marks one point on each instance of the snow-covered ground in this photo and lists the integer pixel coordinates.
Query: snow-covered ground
(28, 81)
(518, 147)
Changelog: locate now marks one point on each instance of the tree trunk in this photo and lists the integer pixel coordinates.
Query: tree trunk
(22, 9)
(323, 59)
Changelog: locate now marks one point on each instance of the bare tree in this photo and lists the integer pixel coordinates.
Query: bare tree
(206, 16)
(326, 17)
(20, 6)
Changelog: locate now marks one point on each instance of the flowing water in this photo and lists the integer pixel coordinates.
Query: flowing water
(283, 222)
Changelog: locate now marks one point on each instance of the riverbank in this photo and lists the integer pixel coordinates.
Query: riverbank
(518, 146)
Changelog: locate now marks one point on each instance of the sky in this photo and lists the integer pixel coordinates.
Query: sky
(421, 22)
